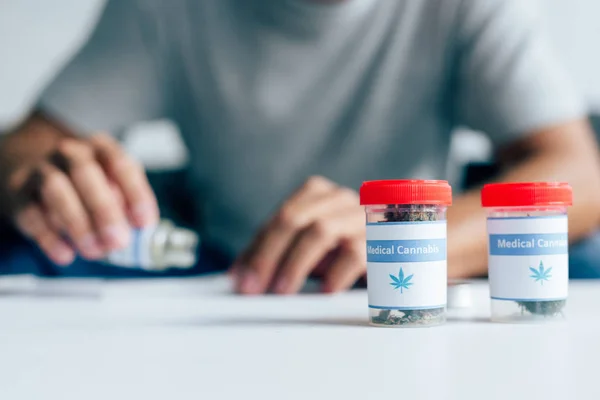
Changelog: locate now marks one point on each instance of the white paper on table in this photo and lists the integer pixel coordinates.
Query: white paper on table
(32, 286)
(176, 287)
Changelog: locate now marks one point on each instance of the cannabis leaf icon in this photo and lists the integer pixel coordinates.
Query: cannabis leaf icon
(400, 282)
(541, 274)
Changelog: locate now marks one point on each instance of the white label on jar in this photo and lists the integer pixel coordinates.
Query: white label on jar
(138, 253)
(406, 265)
(528, 258)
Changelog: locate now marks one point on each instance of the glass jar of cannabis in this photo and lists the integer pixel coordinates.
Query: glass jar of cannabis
(528, 250)
(406, 251)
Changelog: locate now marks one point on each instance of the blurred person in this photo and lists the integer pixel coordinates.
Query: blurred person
(286, 106)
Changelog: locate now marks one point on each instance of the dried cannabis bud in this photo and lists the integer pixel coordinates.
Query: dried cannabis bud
(409, 317)
(409, 213)
(545, 308)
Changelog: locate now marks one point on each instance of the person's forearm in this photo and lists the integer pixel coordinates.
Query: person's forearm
(573, 162)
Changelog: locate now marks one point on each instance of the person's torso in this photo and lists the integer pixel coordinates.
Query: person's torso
(271, 92)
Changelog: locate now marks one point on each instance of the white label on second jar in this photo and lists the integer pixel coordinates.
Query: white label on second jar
(528, 258)
(406, 265)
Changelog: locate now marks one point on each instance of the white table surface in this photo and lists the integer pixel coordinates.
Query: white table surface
(191, 339)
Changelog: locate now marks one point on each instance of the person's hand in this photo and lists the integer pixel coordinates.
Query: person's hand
(320, 227)
(83, 199)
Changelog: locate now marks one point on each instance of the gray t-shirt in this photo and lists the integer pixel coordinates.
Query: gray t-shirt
(269, 92)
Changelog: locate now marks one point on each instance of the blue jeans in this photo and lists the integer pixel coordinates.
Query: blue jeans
(20, 256)
(584, 258)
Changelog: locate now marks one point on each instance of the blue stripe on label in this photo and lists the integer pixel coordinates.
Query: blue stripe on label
(406, 308)
(529, 244)
(535, 217)
(137, 249)
(535, 299)
(420, 250)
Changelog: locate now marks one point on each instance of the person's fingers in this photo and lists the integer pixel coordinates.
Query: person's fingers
(348, 267)
(129, 175)
(254, 270)
(96, 195)
(256, 267)
(58, 195)
(312, 245)
(31, 221)
(54, 222)
(76, 158)
(118, 195)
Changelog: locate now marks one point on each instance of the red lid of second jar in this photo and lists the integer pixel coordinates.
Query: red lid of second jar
(527, 194)
(406, 192)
